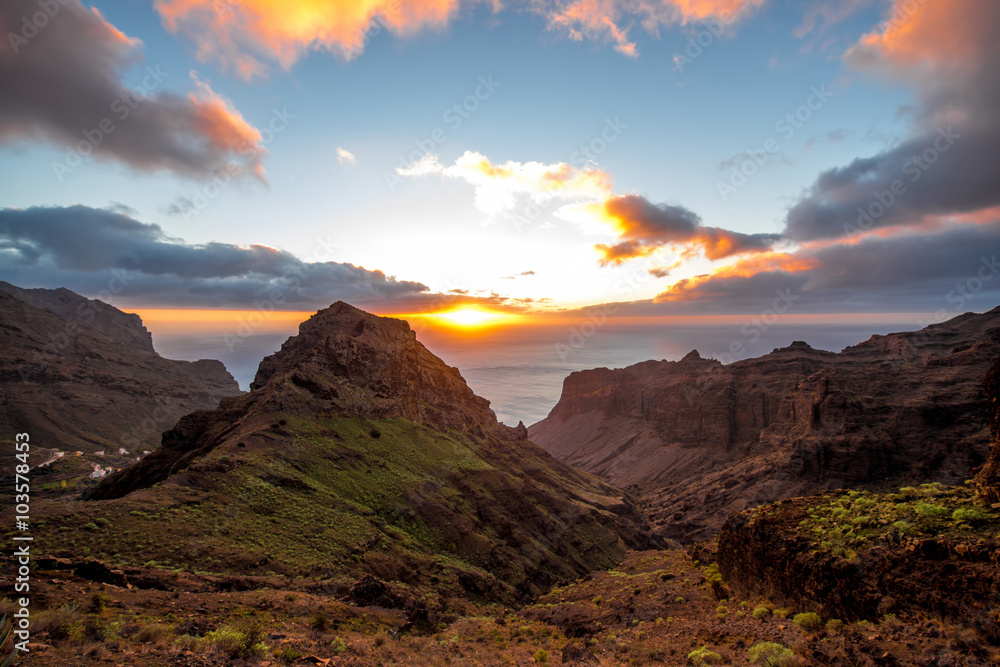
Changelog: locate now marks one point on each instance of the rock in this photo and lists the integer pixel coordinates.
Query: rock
(698, 441)
(987, 480)
(82, 375)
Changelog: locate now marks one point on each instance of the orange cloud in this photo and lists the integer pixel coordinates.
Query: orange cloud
(644, 227)
(690, 289)
(956, 32)
(243, 33)
(222, 127)
(609, 20)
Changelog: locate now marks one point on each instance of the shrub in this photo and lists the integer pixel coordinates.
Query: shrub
(338, 645)
(970, 516)
(931, 511)
(761, 612)
(152, 633)
(783, 613)
(703, 656)
(808, 621)
(318, 623)
(834, 625)
(541, 655)
(770, 654)
(90, 525)
(241, 640)
(598, 599)
(98, 602)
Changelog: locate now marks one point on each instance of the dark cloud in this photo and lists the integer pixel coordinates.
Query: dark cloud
(644, 227)
(954, 270)
(87, 249)
(62, 83)
(947, 164)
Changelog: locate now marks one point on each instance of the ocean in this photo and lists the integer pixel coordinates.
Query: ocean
(520, 370)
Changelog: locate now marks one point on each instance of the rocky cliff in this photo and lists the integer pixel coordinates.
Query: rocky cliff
(359, 450)
(988, 478)
(79, 374)
(699, 441)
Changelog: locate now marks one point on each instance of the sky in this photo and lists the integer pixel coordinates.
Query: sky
(528, 158)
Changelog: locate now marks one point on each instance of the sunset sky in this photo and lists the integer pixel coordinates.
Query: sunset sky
(688, 157)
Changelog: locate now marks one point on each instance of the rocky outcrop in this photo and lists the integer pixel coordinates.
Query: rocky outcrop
(355, 421)
(699, 441)
(79, 374)
(988, 478)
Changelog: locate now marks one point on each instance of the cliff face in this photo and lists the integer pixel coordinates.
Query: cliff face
(355, 424)
(988, 478)
(79, 374)
(699, 440)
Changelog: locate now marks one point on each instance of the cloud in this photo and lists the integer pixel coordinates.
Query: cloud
(63, 85)
(85, 249)
(947, 164)
(644, 227)
(345, 156)
(497, 186)
(244, 35)
(247, 36)
(610, 20)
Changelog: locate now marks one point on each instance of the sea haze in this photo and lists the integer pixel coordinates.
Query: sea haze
(521, 369)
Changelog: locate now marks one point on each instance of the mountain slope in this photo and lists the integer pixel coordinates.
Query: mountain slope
(357, 451)
(700, 441)
(79, 374)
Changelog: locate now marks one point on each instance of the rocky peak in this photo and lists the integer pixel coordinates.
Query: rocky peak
(693, 355)
(352, 363)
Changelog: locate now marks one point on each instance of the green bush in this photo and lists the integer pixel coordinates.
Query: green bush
(703, 656)
(770, 654)
(834, 625)
(244, 639)
(931, 511)
(761, 612)
(967, 515)
(541, 655)
(808, 621)
(338, 645)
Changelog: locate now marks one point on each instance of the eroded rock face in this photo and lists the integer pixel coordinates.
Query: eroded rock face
(988, 479)
(699, 441)
(77, 373)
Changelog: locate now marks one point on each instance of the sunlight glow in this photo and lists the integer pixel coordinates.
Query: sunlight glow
(468, 317)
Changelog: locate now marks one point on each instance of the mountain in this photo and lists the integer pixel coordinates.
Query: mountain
(698, 441)
(357, 453)
(79, 374)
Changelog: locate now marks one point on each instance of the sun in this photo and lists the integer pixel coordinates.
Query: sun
(469, 317)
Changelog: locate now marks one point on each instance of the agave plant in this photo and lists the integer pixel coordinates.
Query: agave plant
(6, 628)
